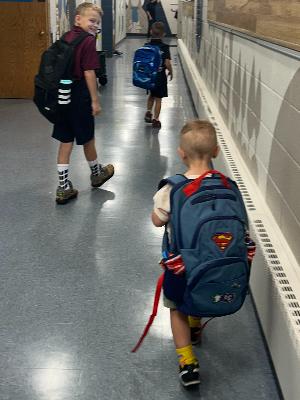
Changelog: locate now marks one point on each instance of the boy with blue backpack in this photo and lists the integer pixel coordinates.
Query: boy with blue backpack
(161, 85)
(206, 248)
(149, 72)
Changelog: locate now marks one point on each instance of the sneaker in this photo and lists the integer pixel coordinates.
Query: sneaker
(156, 124)
(105, 174)
(148, 117)
(189, 374)
(64, 195)
(196, 335)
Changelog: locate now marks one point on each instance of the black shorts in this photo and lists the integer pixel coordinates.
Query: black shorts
(77, 122)
(161, 88)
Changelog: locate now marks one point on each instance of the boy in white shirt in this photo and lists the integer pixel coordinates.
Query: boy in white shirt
(198, 145)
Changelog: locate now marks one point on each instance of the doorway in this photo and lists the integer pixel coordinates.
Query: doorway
(24, 35)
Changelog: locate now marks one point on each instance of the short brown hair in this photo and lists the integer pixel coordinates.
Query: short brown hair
(157, 30)
(198, 139)
(81, 9)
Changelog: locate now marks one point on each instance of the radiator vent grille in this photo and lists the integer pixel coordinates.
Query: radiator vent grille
(272, 259)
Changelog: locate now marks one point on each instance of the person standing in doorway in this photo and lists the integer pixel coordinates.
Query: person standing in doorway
(151, 14)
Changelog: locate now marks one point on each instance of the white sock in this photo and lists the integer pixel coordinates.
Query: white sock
(63, 172)
(95, 167)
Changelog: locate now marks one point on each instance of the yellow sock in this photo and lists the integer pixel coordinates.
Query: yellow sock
(194, 322)
(186, 355)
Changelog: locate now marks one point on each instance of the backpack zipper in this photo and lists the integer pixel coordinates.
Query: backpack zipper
(208, 197)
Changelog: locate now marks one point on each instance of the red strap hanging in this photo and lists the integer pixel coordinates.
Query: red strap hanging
(195, 185)
(154, 312)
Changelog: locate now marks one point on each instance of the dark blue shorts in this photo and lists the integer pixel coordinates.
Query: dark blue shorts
(77, 121)
(161, 88)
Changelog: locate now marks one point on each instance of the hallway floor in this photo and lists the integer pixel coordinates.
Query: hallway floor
(77, 281)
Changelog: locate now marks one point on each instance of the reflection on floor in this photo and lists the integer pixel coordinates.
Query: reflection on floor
(77, 281)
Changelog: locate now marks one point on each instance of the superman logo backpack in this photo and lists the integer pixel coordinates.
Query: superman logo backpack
(206, 257)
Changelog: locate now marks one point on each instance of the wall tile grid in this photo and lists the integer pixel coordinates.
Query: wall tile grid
(257, 92)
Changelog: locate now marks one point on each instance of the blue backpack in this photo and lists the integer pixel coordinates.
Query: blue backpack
(146, 64)
(208, 239)
(208, 225)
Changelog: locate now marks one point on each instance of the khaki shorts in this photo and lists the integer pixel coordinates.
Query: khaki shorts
(169, 303)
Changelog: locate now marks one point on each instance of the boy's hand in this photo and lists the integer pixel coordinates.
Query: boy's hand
(170, 75)
(96, 108)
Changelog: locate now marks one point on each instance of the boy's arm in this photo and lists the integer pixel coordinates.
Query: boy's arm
(156, 220)
(91, 82)
(168, 65)
(161, 211)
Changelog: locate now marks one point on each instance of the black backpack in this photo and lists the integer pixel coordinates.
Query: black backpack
(56, 65)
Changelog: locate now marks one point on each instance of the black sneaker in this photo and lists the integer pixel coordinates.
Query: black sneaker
(148, 117)
(189, 374)
(156, 123)
(196, 335)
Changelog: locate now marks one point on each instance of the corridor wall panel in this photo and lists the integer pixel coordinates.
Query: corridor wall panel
(257, 91)
(274, 20)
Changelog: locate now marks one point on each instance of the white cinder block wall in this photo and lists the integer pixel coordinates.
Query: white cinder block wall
(256, 93)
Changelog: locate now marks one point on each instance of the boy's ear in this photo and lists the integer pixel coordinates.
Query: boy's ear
(181, 153)
(77, 19)
(216, 152)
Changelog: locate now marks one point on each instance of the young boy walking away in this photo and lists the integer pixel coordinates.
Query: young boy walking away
(78, 122)
(198, 145)
(161, 88)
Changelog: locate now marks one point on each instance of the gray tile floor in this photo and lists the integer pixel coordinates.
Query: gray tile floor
(77, 281)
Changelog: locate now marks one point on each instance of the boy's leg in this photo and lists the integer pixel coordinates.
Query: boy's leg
(65, 190)
(99, 173)
(157, 107)
(180, 328)
(148, 115)
(90, 151)
(188, 363)
(195, 328)
(64, 153)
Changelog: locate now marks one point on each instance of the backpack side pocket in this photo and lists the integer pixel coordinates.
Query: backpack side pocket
(174, 286)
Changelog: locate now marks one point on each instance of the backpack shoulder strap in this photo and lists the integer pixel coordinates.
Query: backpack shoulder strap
(75, 42)
(80, 38)
(236, 189)
(172, 180)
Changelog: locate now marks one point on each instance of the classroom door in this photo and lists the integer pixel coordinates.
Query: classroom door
(24, 35)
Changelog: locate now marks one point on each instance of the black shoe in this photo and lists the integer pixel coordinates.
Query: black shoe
(148, 117)
(196, 335)
(189, 374)
(156, 123)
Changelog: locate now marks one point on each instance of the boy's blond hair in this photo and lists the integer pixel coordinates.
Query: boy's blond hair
(157, 30)
(198, 139)
(83, 7)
